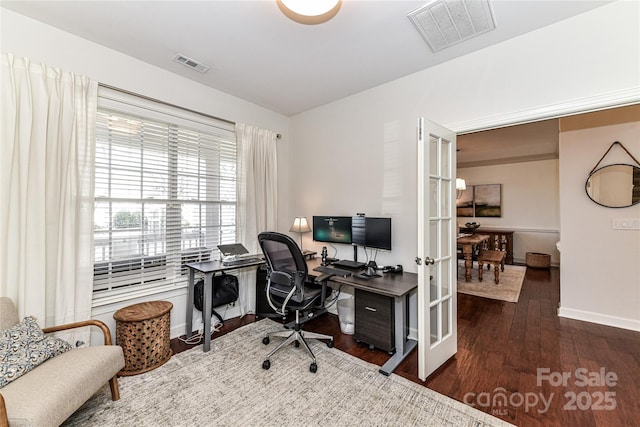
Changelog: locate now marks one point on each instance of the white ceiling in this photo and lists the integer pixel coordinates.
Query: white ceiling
(258, 54)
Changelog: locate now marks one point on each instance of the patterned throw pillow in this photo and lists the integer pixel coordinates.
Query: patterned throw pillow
(23, 347)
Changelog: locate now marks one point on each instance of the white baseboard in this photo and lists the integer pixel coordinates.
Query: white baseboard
(523, 261)
(602, 319)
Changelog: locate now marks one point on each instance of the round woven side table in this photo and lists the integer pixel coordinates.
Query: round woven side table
(143, 332)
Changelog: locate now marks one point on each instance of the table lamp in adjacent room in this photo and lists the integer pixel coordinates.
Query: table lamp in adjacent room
(300, 225)
(461, 185)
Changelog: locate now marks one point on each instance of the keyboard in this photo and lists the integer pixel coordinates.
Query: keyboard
(349, 264)
(241, 261)
(331, 270)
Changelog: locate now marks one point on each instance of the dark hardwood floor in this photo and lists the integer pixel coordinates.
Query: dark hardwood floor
(502, 345)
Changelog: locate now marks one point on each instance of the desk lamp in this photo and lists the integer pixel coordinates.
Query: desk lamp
(300, 225)
(461, 185)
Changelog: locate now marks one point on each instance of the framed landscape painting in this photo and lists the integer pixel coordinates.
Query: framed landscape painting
(464, 203)
(487, 200)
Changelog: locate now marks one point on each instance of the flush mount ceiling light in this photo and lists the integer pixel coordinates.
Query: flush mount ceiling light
(310, 12)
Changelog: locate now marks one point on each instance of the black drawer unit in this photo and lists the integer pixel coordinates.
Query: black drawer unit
(374, 320)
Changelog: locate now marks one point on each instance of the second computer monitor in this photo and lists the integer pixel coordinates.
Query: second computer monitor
(378, 233)
(372, 232)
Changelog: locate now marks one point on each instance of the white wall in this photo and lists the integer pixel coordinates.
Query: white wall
(530, 204)
(600, 270)
(359, 154)
(23, 36)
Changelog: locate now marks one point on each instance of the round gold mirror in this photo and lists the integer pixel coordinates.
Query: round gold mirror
(614, 186)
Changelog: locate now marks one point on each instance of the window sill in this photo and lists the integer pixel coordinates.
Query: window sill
(104, 300)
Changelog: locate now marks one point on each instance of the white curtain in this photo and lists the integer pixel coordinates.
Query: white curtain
(257, 195)
(46, 191)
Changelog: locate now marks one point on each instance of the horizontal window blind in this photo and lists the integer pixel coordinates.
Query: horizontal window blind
(165, 194)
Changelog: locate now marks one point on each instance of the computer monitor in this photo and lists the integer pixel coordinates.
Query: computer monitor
(332, 229)
(378, 233)
(358, 234)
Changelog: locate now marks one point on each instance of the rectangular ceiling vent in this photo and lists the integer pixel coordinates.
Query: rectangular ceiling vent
(191, 63)
(444, 23)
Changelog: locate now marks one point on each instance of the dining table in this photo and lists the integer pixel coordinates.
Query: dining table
(468, 242)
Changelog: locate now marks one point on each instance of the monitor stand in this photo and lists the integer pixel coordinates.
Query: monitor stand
(371, 270)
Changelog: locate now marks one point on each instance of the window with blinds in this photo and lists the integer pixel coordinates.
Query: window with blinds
(165, 194)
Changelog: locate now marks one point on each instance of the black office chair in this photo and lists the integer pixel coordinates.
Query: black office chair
(289, 288)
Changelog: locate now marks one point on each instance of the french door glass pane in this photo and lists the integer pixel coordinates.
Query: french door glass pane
(433, 333)
(434, 168)
(446, 166)
(446, 315)
(433, 289)
(445, 278)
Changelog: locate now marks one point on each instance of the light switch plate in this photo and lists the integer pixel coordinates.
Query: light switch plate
(626, 223)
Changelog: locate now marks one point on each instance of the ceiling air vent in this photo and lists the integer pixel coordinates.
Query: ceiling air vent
(444, 23)
(191, 63)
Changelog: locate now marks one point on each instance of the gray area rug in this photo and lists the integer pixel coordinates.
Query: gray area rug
(508, 289)
(227, 386)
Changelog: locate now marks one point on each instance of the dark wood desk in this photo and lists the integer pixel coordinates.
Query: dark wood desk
(397, 286)
(467, 244)
(209, 269)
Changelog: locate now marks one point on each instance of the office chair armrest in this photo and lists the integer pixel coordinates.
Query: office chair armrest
(323, 278)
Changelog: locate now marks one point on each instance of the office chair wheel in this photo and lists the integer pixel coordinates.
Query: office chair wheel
(265, 341)
(266, 364)
(313, 367)
(330, 344)
(297, 343)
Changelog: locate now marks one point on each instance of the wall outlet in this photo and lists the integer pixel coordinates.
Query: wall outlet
(626, 223)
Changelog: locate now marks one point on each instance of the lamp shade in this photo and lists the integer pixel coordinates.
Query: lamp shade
(300, 225)
(461, 184)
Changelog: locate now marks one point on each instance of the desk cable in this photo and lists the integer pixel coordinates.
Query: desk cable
(335, 250)
(333, 300)
(197, 337)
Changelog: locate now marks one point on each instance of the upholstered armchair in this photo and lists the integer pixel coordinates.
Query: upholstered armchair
(48, 393)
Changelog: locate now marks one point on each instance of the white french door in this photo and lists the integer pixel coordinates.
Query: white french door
(437, 308)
